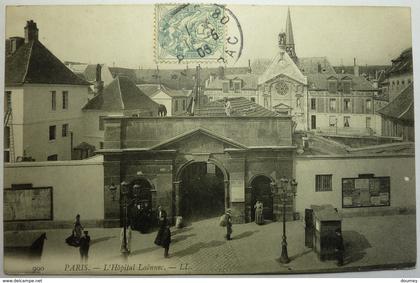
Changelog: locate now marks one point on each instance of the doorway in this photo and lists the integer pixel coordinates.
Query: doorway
(261, 191)
(201, 191)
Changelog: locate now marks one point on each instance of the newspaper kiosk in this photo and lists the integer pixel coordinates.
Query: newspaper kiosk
(321, 224)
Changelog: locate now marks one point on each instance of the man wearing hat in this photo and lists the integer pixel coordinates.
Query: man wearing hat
(228, 224)
(84, 246)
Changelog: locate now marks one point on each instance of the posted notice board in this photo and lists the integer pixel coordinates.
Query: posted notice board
(366, 192)
(28, 204)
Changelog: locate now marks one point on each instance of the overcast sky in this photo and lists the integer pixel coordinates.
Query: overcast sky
(124, 35)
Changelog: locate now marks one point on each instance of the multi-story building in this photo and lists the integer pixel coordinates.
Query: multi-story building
(340, 104)
(397, 117)
(400, 74)
(43, 102)
(175, 101)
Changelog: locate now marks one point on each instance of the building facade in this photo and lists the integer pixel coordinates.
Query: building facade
(340, 104)
(43, 101)
(232, 86)
(246, 157)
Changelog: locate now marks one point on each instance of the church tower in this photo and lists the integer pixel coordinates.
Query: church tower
(286, 40)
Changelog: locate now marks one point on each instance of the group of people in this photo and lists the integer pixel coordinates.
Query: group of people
(79, 238)
(141, 217)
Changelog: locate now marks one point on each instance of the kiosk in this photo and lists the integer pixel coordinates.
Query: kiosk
(321, 222)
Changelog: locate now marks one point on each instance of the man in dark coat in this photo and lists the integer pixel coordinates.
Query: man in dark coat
(84, 246)
(339, 247)
(228, 224)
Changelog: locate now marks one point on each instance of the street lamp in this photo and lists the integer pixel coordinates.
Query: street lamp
(284, 256)
(124, 204)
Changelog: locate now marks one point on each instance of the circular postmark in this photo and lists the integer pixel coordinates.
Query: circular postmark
(197, 32)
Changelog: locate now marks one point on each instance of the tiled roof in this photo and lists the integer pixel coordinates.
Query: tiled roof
(240, 107)
(320, 81)
(151, 89)
(282, 64)
(402, 107)
(121, 94)
(34, 63)
(403, 64)
(370, 70)
(172, 78)
(258, 66)
(310, 65)
(249, 81)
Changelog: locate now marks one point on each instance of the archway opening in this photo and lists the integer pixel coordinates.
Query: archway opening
(261, 191)
(201, 191)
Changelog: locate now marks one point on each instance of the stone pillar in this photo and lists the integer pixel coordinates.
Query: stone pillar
(177, 198)
(227, 200)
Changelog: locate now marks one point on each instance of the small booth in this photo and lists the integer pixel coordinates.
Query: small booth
(321, 222)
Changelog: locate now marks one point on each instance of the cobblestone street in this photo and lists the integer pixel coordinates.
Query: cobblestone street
(381, 241)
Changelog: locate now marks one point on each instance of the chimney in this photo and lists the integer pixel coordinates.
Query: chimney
(31, 31)
(319, 68)
(356, 68)
(249, 66)
(221, 72)
(99, 84)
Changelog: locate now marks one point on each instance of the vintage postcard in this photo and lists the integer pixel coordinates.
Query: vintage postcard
(199, 138)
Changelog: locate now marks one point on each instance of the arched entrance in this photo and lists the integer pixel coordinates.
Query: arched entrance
(261, 190)
(201, 191)
(139, 204)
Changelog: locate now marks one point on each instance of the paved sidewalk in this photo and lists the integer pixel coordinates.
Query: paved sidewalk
(371, 242)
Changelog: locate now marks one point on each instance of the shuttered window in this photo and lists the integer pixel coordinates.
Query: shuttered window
(323, 183)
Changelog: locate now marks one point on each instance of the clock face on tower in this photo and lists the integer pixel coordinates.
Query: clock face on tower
(282, 88)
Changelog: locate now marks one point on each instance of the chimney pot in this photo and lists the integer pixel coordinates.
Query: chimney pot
(31, 31)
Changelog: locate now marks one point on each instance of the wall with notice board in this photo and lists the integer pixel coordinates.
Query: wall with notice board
(366, 191)
(28, 204)
(59, 190)
(359, 183)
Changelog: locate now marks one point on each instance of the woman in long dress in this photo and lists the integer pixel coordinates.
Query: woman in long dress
(259, 218)
(163, 237)
(74, 239)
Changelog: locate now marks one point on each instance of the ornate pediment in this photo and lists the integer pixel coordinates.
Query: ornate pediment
(199, 141)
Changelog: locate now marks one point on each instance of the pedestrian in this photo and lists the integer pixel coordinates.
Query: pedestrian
(74, 238)
(163, 237)
(259, 217)
(228, 224)
(339, 247)
(228, 107)
(84, 246)
(161, 214)
(127, 246)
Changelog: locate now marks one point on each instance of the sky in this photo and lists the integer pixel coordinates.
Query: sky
(123, 35)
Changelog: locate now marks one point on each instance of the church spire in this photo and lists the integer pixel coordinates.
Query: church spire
(286, 40)
(289, 29)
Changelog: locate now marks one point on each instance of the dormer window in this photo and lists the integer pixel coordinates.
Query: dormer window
(346, 87)
(332, 86)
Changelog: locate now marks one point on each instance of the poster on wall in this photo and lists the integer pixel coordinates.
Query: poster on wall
(366, 192)
(28, 204)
